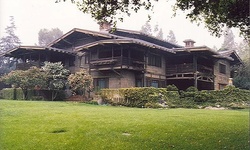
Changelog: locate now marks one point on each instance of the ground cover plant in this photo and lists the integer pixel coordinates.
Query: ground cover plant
(61, 125)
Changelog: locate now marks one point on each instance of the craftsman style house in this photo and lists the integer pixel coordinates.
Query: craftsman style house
(124, 58)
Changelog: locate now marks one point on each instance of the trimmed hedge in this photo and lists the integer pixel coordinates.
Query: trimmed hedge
(191, 98)
(137, 97)
(17, 94)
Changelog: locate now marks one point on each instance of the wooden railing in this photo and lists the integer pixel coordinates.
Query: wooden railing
(116, 62)
(187, 68)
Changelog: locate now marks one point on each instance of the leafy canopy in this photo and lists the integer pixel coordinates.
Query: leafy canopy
(57, 75)
(26, 79)
(215, 13)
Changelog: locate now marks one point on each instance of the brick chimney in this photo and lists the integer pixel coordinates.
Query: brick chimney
(104, 26)
(189, 43)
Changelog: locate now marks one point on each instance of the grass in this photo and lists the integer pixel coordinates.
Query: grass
(27, 125)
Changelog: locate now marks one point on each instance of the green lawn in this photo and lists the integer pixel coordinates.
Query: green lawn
(28, 125)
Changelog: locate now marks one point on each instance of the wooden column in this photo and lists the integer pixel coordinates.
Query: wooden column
(145, 69)
(195, 70)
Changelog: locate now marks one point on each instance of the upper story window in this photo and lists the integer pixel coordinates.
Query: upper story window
(222, 68)
(154, 60)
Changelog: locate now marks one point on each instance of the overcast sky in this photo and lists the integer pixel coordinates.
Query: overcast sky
(32, 15)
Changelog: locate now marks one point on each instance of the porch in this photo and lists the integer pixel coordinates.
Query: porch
(117, 63)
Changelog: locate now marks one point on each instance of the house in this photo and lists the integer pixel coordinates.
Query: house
(125, 58)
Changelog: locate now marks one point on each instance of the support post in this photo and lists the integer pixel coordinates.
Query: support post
(195, 70)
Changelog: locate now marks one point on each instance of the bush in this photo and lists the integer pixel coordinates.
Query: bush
(191, 98)
(172, 88)
(192, 89)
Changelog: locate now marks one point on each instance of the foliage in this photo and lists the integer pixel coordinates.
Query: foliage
(191, 98)
(106, 10)
(8, 42)
(28, 79)
(146, 28)
(83, 126)
(157, 32)
(12, 93)
(217, 14)
(171, 37)
(80, 82)
(172, 88)
(138, 97)
(57, 77)
(191, 89)
(46, 36)
(228, 43)
(243, 49)
(242, 76)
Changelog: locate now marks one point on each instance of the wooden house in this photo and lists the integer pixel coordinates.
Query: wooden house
(125, 58)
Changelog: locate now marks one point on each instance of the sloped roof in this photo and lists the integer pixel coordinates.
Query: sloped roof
(31, 49)
(122, 41)
(145, 37)
(76, 33)
(233, 54)
(203, 50)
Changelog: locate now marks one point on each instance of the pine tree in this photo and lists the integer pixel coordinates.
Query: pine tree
(146, 28)
(228, 43)
(171, 37)
(8, 42)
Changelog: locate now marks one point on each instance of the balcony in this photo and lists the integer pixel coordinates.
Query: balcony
(117, 62)
(179, 69)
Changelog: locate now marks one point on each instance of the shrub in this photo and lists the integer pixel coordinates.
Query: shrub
(172, 88)
(192, 89)
(191, 98)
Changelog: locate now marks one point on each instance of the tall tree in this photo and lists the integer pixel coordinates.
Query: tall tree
(146, 28)
(8, 42)
(171, 37)
(242, 76)
(229, 43)
(46, 36)
(159, 34)
(243, 49)
(215, 13)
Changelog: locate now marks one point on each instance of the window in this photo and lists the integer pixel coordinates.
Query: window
(138, 83)
(100, 83)
(222, 68)
(155, 83)
(154, 60)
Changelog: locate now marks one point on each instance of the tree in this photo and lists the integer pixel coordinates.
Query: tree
(57, 77)
(171, 37)
(146, 28)
(157, 32)
(242, 76)
(228, 43)
(243, 49)
(28, 79)
(80, 82)
(215, 13)
(46, 36)
(8, 42)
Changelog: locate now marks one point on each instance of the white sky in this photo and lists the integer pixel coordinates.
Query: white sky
(32, 15)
